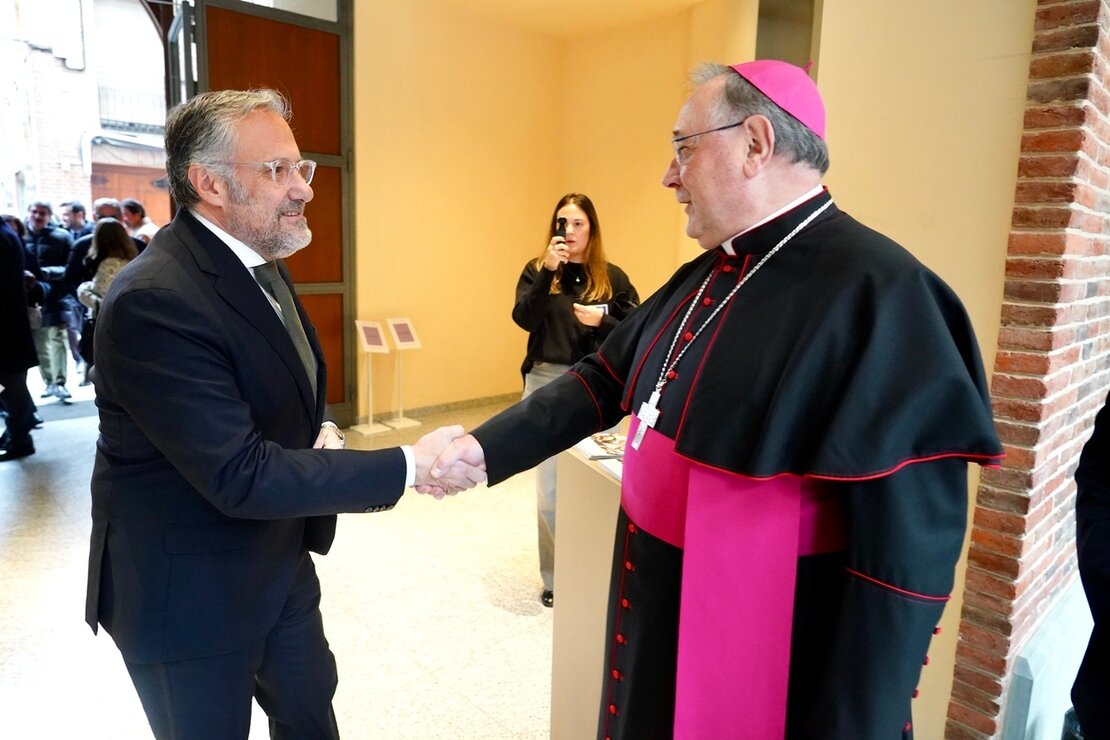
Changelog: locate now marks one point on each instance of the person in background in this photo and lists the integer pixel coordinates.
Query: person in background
(1092, 524)
(16, 225)
(73, 218)
(80, 268)
(138, 223)
(568, 299)
(807, 398)
(50, 245)
(112, 248)
(217, 471)
(19, 347)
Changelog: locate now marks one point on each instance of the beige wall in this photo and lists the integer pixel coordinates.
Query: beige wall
(455, 146)
(924, 129)
(468, 131)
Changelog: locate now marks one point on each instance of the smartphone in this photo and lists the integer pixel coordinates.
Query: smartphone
(561, 227)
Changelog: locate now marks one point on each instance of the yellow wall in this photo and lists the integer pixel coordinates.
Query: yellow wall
(467, 131)
(925, 104)
(456, 134)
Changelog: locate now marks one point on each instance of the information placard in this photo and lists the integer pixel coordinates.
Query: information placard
(371, 337)
(404, 336)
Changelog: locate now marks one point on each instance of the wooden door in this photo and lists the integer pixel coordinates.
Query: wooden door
(242, 46)
(145, 184)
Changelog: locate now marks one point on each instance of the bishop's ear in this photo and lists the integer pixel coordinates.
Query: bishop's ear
(761, 142)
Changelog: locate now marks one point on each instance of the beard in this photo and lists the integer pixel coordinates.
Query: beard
(264, 232)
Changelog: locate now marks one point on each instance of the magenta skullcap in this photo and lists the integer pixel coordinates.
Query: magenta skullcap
(790, 88)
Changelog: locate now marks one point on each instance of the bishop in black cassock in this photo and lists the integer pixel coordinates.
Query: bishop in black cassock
(807, 396)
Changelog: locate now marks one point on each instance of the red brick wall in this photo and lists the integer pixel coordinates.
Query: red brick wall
(1053, 365)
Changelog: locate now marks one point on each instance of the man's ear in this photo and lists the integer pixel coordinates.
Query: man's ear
(209, 186)
(761, 143)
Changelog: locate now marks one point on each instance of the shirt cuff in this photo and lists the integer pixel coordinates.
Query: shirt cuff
(410, 466)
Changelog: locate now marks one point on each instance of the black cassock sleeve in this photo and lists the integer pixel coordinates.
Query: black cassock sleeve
(907, 532)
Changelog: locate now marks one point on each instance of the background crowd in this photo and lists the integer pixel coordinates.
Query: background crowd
(58, 266)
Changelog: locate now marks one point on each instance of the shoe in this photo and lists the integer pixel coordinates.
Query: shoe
(61, 393)
(16, 450)
(50, 390)
(38, 420)
(548, 598)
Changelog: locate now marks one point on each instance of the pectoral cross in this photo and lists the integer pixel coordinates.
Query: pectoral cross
(648, 415)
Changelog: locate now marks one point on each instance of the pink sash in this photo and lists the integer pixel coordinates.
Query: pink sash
(741, 539)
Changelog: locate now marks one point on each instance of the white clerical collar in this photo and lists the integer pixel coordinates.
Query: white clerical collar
(246, 255)
(727, 246)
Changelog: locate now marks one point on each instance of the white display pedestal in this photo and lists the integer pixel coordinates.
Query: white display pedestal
(373, 342)
(400, 421)
(404, 338)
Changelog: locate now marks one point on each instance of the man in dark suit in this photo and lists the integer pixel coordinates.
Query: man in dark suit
(19, 347)
(215, 472)
(1092, 523)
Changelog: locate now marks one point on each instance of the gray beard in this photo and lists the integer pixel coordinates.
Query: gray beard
(271, 245)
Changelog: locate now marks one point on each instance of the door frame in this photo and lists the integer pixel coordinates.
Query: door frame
(344, 412)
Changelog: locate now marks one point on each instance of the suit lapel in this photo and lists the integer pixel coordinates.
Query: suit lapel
(235, 285)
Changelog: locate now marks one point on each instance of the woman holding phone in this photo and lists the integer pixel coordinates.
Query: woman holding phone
(568, 299)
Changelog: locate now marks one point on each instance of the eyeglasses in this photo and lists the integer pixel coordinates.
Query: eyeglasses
(282, 169)
(682, 153)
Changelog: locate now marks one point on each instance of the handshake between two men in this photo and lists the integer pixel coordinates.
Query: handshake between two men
(448, 461)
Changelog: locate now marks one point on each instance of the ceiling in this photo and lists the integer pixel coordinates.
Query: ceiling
(566, 18)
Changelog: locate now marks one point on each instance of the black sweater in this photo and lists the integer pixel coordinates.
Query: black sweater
(554, 334)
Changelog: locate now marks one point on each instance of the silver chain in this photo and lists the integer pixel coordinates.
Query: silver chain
(669, 366)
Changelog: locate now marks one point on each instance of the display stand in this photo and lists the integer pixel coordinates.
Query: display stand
(404, 338)
(372, 340)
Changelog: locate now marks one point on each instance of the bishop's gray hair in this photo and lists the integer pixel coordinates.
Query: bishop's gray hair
(200, 131)
(793, 139)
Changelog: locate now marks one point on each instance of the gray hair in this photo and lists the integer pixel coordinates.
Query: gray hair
(793, 139)
(200, 131)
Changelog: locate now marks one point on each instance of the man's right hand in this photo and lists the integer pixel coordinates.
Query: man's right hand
(463, 451)
(451, 478)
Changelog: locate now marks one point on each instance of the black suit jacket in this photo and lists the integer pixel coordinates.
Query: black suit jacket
(205, 490)
(15, 331)
(1092, 523)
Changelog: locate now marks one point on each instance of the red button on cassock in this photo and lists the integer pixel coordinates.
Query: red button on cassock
(626, 603)
(916, 693)
(620, 639)
(707, 301)
(926, 661)
(671, 375)
(631, 527)
(688, 336)
(906, 727)
(612, 709)
(936, 630)
(616, 674)
(628, 565)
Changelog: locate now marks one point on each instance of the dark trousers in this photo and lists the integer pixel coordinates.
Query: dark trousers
(291, 671)
(17, 401)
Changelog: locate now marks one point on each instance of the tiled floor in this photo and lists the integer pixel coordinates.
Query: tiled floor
(432, 608)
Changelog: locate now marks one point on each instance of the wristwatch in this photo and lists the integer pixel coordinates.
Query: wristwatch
(338, 431)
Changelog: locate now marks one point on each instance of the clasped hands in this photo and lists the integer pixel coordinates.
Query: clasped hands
(448, 461)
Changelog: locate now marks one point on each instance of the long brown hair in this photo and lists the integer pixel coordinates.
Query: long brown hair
(598, 288)
(110, 239)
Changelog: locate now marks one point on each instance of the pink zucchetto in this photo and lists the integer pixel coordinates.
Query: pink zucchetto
(790, 88)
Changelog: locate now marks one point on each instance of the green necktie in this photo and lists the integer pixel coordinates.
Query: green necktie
(270, 279)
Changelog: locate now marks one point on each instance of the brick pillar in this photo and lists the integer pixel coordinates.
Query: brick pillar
(1053, 365)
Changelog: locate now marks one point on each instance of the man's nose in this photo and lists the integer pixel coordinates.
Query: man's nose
(670, 177)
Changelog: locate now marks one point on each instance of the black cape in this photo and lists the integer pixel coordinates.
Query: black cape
(842, 359)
